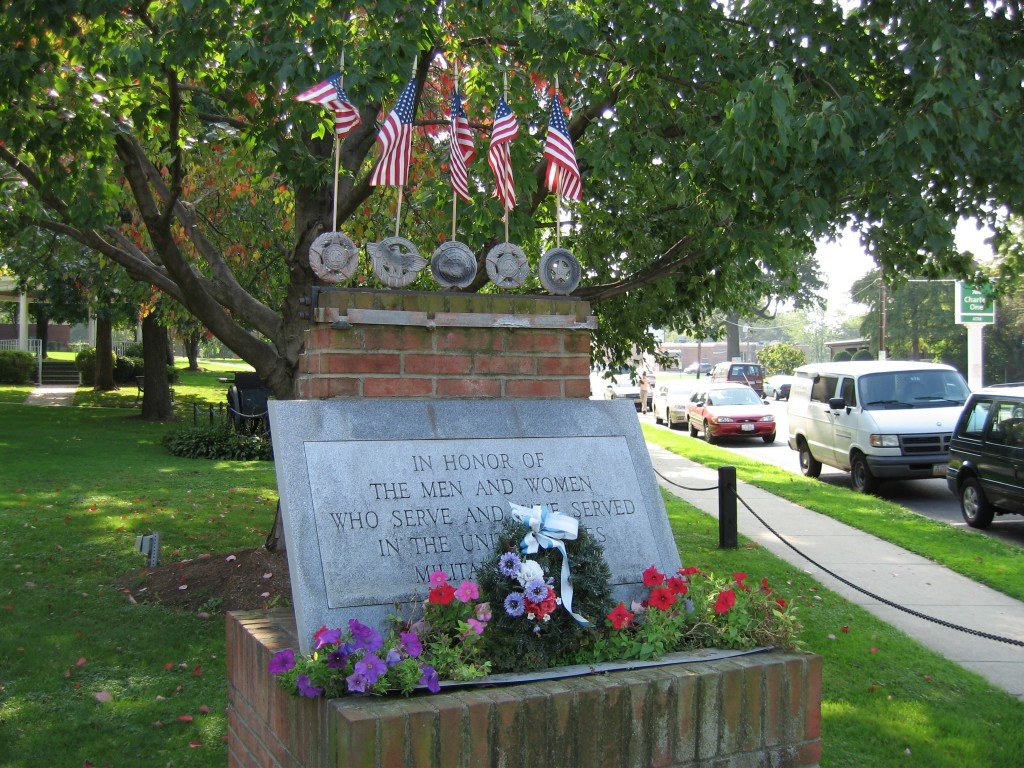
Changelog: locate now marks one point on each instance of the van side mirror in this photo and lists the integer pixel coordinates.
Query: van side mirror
(836, 403)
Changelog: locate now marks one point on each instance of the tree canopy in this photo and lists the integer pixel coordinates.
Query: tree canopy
(716, 142)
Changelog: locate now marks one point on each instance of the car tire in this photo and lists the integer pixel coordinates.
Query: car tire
(861, 478)
(975, 508)
(768, 439)
(658, 420)
(711, 439)
(809, 466)
(693, 429)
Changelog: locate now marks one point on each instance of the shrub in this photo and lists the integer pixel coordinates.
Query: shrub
(132, 350)
(217, 442)
(85, 361)
(862, 354)
(841, 356)
(16, 366)
(127, 368)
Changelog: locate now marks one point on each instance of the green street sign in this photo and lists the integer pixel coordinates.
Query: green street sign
(974, 305)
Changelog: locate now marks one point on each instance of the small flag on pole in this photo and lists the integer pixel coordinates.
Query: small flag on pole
(462, 149)
(499, 157)
(330, 94)
(395, 139)
(563, 175)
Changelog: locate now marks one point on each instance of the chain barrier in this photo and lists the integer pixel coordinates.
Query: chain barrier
(847, 582)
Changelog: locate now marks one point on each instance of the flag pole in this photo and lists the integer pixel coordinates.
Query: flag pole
(454, 148)
(504, 95)
(337, 151)
(558, 190)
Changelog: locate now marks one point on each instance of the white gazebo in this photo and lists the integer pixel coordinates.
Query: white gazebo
(9, 292)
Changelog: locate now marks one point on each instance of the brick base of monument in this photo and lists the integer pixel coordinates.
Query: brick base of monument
(763, 709)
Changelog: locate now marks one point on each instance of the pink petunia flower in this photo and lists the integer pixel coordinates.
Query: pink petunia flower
(467, 591)
(438, 578)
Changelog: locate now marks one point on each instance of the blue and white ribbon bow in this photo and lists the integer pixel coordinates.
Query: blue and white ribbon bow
(547, 530)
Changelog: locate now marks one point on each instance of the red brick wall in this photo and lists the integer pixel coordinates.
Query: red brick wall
(756, 710)
(406, 344)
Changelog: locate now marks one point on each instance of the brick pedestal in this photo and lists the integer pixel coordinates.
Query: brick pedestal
(367, 343)
(758, 710)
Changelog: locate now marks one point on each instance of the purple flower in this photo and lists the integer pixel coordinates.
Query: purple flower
(438, 578)
(429, 678)
(364, 638)
(357, 683)
(411, 643)
(476, 626)
(514, 605)
(394, 656)
(467, 591)
(537, 590)
(371, 668)
(328, 637)
(509, 564)
(306, 687)
(337, 659)
(282, 662)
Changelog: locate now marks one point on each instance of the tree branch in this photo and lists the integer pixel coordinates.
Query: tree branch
(657, 269)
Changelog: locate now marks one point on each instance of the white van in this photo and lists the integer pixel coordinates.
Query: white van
(875, 419)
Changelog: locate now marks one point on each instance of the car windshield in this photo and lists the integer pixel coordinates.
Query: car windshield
(912, 389)
(733, 396)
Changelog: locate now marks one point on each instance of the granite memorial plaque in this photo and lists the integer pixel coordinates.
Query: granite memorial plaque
(377, 494)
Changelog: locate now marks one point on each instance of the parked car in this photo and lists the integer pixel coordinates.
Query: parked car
(670, 402)
(778, 386)
(751, 374)
(729, 410)
(693, 368)
(875, 419)
(986, 455)
(622, 387)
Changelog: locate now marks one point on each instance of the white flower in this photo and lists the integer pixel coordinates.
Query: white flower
(531, 616)
(528, 571)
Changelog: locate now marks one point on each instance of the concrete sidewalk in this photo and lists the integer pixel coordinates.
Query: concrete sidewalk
(883, 568)
(53, 394)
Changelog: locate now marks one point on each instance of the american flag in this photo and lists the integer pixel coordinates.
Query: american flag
(462, 149)
(330, 94)
(563, 175)
(395, 139)
(499, 157)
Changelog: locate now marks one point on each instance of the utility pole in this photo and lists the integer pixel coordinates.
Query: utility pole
(881, 325)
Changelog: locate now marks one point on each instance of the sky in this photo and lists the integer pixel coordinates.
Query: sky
(843, 262)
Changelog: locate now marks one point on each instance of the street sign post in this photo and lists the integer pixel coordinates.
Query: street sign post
(975, 308)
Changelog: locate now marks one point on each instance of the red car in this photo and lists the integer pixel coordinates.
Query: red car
(729, 410)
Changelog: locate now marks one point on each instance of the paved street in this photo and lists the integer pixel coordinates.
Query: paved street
(930, 498)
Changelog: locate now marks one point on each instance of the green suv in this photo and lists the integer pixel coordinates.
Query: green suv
(986, 455)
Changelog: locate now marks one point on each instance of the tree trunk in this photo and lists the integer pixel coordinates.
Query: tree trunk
(104, 381)
(168, 344)
(42, 327)
(732, 337)
(192, 349)
(156, 393)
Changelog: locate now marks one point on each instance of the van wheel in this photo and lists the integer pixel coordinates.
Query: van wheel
(809, 466)
(693, 429)
(977, 512)
(860, 475)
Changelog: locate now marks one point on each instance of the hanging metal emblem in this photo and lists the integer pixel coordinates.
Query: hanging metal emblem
(560, 271)
(453, 265)
(507, 265)
(395, 261)
(333, 257)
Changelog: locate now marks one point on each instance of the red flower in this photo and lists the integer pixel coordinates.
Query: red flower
(620, 616)
(740, 576)
(653, 577)
(544, 607)
(688, 571)
(677, 586)
(442, 595)
(662, 599)
(782, 603)
(726, 600)
(764, 586)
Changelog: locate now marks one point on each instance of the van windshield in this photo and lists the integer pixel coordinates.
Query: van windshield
(912, 389)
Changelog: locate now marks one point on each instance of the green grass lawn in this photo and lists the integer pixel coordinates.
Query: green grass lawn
(78, 484)
(979, 557)
(14, 393)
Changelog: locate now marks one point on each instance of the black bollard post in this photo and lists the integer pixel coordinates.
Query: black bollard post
(727, 537)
